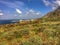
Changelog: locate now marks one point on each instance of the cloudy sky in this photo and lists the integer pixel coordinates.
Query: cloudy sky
(26, 9)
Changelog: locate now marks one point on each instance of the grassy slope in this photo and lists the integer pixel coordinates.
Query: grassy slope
(44, 31)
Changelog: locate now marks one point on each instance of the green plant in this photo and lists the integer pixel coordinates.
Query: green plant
(24, 32)
(17, 34)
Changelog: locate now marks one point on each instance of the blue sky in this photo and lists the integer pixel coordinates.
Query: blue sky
(9, 9)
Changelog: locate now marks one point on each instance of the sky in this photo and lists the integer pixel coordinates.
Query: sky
(26, 9)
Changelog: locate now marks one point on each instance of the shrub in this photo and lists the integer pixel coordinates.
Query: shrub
(17, 34)
(24, 32)
(38, 30)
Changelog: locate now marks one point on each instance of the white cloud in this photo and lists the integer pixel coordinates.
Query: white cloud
(53, 3)
(38, 13)
(53, 8)
(30, 11)
(1, 14)
(18, 11)
(33, 12)
(46, 2)
(57, 2)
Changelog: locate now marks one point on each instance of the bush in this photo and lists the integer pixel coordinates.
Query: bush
(17, 34)
(24, 32)
(8, 37)
(38, 30)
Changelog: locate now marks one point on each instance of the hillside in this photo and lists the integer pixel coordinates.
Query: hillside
(53, 16)
(43, 31)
